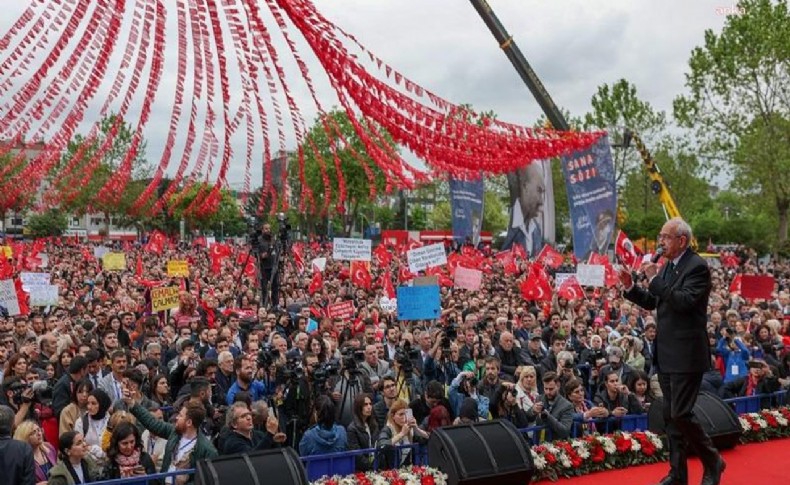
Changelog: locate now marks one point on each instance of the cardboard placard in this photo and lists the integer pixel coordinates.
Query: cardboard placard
(44, 295)
(468, 279)
(426, 257)
(8, 298)
(418, 302)
(114, 262)
(345, 249)
(100, 251)
(590, 274)
(34, 279)
(164, 298)
(559, 278)
(343, 310)
(178, 268)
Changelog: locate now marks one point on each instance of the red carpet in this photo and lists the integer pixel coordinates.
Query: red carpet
(757, 463)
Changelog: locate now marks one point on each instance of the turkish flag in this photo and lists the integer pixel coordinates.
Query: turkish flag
(600, 259)
(360, 276)
(385, 283)
(570, 289)
(518, 250)
(199, 241)
(316, 283)
(535, 289)
(383, 256)
(628, 254)
(549, 256)
(156, 242)
(22, 297)
(735, 286)
(508, 260)
(404, 274)
(610, 277)
(296, 250)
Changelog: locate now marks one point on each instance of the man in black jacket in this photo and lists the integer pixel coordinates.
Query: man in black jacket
(61, 392)
(509, 356)
(679, 293)
(243, 437)
(16, 457)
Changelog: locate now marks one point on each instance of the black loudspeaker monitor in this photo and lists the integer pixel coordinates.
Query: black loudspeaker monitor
(717, 418)
(271, 467)
(481, 453)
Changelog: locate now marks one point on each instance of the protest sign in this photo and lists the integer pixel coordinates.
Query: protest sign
(757, 286)
(8, 299)
(343, 310)
(318, 265)
(468, 279)
(114, 261)
(44, 257)
(164, 298)
(388, 305)
(44, 295)
(33, 279)
(344, 249)
(590, 274)
(8, 251)
(426, 257)
(178, 268)
(100, 251)
(418, 303)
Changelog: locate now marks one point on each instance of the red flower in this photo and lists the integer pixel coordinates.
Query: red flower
(550, 458)
(771, 420)
(648, 449)
(399, 481)
(598, 455)
(427, 480)
(622, 444)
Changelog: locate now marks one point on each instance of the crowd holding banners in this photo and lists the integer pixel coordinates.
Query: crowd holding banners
(232, 377)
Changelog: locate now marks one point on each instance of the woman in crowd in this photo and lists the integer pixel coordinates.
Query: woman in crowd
(123, 336)
(438, 417)
(74, 465)
(400, 430)
(16, 366)
(639, 386)
(583, 409)
(125, 455)
(77, 407)
(44, 454)
(363, 431)
(317, 346)
(326, 436)
(160, 391)
(64, 359)
(93, 423)
(505, 406)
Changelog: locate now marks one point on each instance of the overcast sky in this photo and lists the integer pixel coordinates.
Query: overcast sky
(443, 45)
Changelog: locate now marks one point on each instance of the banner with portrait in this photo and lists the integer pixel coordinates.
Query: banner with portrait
(531, 207)
(466, 203)
(592, 198)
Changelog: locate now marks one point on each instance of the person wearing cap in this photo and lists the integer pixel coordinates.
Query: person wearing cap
(534, 354)
(760, 380)
(679, 293)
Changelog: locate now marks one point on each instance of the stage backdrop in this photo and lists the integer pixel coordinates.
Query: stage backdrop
(592, 198)
(466, 202)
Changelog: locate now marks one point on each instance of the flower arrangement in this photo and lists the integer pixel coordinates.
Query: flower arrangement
(580, 456)
(765, 425)
(416, 475)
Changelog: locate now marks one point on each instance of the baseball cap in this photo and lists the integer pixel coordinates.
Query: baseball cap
(534, 336)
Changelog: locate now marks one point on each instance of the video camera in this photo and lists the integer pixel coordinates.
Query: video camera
(290, 373)
(324, 371)
(267, 355)
(404, 357)
(351, 357)
(42, 392)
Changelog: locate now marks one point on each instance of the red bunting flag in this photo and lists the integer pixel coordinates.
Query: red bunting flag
(627, 252)
(570, 289)
(549, 256)
(385, 283)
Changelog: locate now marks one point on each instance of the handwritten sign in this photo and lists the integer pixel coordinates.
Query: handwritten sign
(114, 261)
(100, 251)
(590, 274)
(8, 299)
(418, 303)
(388, 305)
(164, 298)
(344, 310)
(344, 249)
(468, 279)
(178, 268)
(44, 295)
(560, 278)
(34, 279)
(426, 257)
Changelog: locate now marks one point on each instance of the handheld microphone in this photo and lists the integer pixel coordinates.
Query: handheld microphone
(657, 255)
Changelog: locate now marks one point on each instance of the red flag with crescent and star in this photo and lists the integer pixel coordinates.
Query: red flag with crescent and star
(570, 289)
(360, 275)
(549, 256)
(626, 251)
(316, 283)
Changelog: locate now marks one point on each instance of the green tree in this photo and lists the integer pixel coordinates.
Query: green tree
(323, 136)
(10, 170)
(78, 195)
(737, 101)
(227, 219)
(52, 222)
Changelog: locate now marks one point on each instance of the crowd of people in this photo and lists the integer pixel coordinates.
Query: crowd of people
(100, 386)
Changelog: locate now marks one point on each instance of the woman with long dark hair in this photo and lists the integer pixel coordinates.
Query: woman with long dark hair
(126, 457)
(326, 436)
(363, 430)
(77, 407)
(74, 465)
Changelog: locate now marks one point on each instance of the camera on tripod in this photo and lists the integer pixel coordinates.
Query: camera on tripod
(324, 372)
(267, 356)
(351, 357)
(285, 227)
(404, 357)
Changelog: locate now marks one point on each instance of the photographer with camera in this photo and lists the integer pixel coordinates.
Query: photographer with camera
(351, 382)
(552, 410)
(19, 396)
(403, 369)
(616, 398)
(505, 406)
(300, 389)
(465, 386)
(734, 353)
(762, 379)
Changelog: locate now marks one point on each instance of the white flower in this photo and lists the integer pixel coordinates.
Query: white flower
(635, 446)
(655, 439)
(744, 424)
(539, 461)
(607, 444)
(565, 461)
(761, 422)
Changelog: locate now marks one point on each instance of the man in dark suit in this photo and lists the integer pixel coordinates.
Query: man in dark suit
(527, 194)
(16, 457)
(679, 292)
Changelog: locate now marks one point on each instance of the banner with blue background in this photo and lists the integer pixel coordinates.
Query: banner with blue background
(466, 202)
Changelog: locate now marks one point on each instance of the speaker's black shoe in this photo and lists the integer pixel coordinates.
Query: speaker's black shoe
(713, 477)
(670, 480)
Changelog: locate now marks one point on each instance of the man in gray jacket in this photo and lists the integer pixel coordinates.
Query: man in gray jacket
(552, 410)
